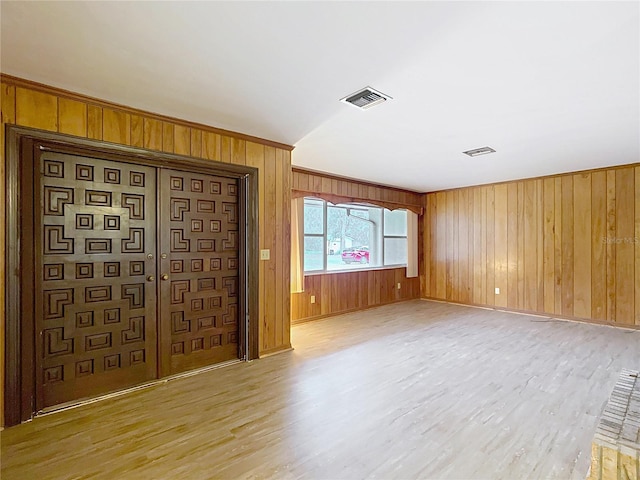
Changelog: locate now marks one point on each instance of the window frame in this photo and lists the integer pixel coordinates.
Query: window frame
(349, 206)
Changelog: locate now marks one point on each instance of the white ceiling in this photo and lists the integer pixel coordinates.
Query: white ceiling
(552, 86)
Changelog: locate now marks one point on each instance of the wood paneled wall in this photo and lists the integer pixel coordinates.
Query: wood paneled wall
(32, 105)
(565, 245)
(349, 291)
(341, 190)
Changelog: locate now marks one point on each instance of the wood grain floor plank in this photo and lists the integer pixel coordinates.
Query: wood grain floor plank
(417, 389)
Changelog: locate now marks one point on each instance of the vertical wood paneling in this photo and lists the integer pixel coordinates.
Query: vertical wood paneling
(285, 243)
(279, 260)
(494, 274)
(348, 291)
(520, 255)
(478, 241)
(598, 245)
(36, 109)
(182, 140)
(427, 277)
(539, 245)
(611, 246)
(167, 137)
(441, 245)
(116, 126)
(211, 146)
(565, 245)
(225, 149)
(255, 158)
(548, 204)
(72, 117)
(463, 254)
(450, 260)
(455, 265)
(557, 242)
(270, 206)
(624, 243)
(94, 122)
(325, 295)
(196, 143)
(238, 152)
(137, 131)
(512, 245)
(582, 245)
(636, 243)
(530, 252)
(152, 134)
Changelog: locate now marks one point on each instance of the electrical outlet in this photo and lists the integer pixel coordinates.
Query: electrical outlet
(313, 299)
(497, 290)
(265, 254)
(398, 285)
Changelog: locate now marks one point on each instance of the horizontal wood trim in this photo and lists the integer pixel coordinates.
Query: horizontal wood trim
(275, 351)
(332, 176)
(335, 189)
(335, 199)
(66, 94)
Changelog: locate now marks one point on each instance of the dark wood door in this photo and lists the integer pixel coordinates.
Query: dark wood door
(95, 290)
(199, 268)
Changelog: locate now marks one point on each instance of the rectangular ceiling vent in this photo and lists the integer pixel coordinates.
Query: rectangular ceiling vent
(366, 98)
(479, 151)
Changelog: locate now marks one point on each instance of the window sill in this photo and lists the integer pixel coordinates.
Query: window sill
(352, 270)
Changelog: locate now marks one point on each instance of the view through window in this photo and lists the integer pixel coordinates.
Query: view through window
(347, 237)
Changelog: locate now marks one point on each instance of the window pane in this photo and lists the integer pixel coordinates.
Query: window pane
(313, 216)
(313, 252)
(336, 229)
(348, 232)
(395, 223)
(352, 258)
(395, 251)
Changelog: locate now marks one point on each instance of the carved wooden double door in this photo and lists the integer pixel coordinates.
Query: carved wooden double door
(137, 274)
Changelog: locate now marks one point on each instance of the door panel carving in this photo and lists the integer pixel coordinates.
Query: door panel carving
(199, 302)
(95, 311)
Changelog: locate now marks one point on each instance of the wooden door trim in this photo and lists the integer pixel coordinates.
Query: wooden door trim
(19, 343)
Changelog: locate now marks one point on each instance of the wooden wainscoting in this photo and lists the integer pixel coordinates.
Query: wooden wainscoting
(39, 106)
(565, 245)
(349, 291)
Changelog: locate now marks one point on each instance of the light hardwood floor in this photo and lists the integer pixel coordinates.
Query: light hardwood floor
(412, 390)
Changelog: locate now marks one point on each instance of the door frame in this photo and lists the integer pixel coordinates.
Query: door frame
(19, 392)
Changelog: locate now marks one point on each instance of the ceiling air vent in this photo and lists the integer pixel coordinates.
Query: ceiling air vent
(366, 98)
(479, 151)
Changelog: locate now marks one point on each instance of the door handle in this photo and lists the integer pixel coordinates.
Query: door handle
(150, 278)
(164, 276)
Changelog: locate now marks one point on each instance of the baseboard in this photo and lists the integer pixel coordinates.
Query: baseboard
(275, 351)
(351, 310)
(537, 314)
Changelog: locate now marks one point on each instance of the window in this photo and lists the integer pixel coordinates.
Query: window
(351, 237)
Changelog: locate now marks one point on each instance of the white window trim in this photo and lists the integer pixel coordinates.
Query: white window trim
(411, 243)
